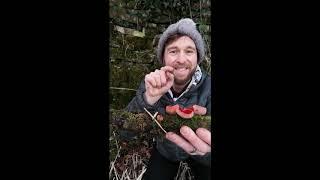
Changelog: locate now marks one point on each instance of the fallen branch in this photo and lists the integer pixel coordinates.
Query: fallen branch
(119, 88)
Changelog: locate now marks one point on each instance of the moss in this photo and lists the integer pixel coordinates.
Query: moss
(174, 122)
(145, 130)
(141, 122)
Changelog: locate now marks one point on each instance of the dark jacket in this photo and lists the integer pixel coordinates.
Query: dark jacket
(199, 94)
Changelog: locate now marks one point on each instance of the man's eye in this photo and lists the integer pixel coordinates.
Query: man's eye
(190, 51)
(172, 52)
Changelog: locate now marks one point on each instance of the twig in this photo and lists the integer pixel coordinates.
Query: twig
(155, 115)
(112, 165)
(111, 168)
(115, 172)
(122, 88)
(123, 174)
(190, 10)
(200, 12)
(141, 174)
(153, 118)
(115, 159)
(115, 138)
(183, 172)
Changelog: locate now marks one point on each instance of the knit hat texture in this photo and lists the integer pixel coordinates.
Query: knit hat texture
(187, 27)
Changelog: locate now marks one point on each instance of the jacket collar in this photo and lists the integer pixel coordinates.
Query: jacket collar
(194, 81)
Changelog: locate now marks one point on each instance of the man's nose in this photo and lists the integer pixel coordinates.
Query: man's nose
(181, 58)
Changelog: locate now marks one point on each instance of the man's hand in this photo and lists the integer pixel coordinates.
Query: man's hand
(157, 83)
(198, 143)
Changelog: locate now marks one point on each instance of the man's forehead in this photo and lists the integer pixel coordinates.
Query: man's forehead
(185, 39)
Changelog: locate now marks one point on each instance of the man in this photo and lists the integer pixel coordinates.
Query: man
(180, 81)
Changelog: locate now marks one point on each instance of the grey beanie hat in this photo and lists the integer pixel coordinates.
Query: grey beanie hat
(187, 27)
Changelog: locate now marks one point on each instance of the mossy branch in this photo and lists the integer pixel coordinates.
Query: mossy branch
(142, 122)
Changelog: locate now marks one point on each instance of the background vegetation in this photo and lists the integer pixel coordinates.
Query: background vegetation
(135, 27)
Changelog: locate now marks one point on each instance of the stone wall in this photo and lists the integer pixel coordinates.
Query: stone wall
(135, 27)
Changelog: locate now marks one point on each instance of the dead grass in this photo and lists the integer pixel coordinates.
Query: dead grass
(131, 165)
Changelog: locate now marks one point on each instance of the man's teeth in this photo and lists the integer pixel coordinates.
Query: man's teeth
(182, 68)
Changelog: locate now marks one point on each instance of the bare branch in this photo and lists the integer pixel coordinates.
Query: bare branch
(128, 89)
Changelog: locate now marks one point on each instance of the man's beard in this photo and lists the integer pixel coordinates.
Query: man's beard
(185, 80)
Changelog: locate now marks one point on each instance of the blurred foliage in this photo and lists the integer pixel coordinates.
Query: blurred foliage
(132, 57)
